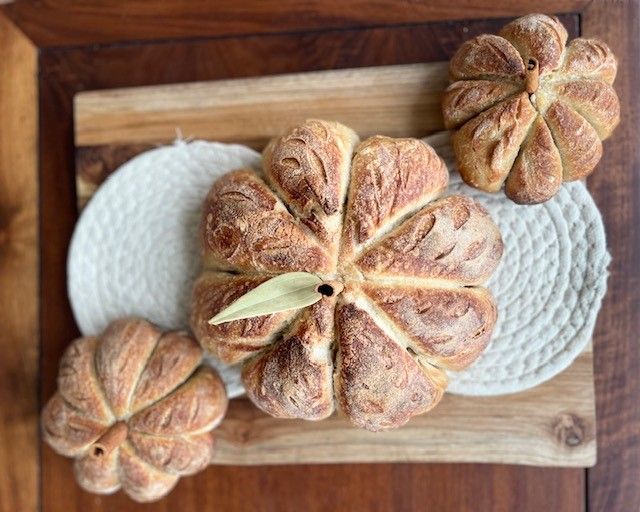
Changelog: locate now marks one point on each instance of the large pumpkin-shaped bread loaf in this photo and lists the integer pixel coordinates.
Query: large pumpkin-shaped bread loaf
(135, 409)
(529, 111)
(362, 214)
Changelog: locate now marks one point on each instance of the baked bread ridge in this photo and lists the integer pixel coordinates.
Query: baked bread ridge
(293, 377)
(232, 342)
(135, 409)
(451, 239)
(276, 240)
(378, 383)
(305, 364)
(387, 186)
(495, 105)
(308, 167)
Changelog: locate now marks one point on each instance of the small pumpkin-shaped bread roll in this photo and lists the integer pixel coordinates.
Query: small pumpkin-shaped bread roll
(528, 110)
(408, 269)
(135, 409)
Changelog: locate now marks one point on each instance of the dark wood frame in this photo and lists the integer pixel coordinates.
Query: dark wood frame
(107, 44)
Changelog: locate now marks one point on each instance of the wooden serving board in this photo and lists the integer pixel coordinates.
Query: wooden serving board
(552, 425)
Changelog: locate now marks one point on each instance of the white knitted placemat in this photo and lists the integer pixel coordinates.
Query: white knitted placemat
(549, 285)
(134, 252)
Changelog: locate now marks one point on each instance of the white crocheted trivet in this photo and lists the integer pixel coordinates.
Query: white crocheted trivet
(134, 252)
(548, 286)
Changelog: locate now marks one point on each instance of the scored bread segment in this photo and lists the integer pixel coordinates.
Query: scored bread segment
(245, 227)
(536, 174)
(172, 362)
(121, 358)
(78, 383)
(379, 385)
(449, 326)
(452, 239)
(308, 168)
(390, 179)
(232, 342)
(486, 57)
(594, 100)
(142, 481)
(465, 99)
(293, 378)
(178, 455)
(538, 37)
(487, 145)
(589, 58)
(578, 143)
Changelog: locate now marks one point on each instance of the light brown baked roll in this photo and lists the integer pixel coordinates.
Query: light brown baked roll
(412, 306)
(135, 409)
(529, 111)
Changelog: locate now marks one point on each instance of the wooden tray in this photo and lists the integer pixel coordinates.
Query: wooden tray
(553, 424)
(49, 51)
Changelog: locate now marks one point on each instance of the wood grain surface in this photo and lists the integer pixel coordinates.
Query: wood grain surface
(18, 270)
(395, 100)
(551, 425)
(53, 23)
(179, 32)
(66, 72)
(614, 482)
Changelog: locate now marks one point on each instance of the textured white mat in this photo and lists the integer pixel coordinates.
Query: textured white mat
(135, 252)
(549, 285)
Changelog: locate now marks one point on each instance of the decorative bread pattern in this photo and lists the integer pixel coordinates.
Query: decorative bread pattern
(134, 409)
(411, 267)
(529, 111)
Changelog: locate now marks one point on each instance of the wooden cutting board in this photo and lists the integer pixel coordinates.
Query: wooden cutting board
(553, 424)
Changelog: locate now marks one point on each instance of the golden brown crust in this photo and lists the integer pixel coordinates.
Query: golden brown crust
(578, 143)
(565, 84)
(174, 359)
(235, 341)
(389, 179)
(288, 357)
(121, 357)
(536, 174)
(293, 379)
(197, 406)
(486, 146)
(78, 383)
(589, 58)
(453, 239)
(539, 37)
(378, 384)
(67, 430)
(245, 227)
(308, 165)
(465, 99)
(594, 100)
(140, 480)
(309, 169)
(166, 409)
(178, 455)
(451, 327)
(486, 57)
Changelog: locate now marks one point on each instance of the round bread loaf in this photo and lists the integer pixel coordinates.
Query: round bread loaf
(135, 409)
(528, 111)
(362, 214)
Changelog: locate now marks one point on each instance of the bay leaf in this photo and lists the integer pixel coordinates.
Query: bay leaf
(293, 290)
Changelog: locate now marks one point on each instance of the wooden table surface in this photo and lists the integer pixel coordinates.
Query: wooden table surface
(52, 49)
